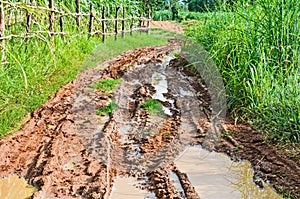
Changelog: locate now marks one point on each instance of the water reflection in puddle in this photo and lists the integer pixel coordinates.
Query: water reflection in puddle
(214, 175)
(14, 187)
(128, 188)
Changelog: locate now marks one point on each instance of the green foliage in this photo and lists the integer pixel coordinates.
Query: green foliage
(107, 109)
(107, 85)
(162, 15)
(200, 5)
(257, 49)
(41, 68)
(154, 107)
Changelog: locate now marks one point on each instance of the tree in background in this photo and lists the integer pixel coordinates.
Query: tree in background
(199, 5)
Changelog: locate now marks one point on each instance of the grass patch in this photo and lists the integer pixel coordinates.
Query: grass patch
(42, 67)
(107, 109)
(107, 85)
(154, 107)
(258, 57)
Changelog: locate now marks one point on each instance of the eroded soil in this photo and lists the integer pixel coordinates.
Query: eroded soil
(60, 162)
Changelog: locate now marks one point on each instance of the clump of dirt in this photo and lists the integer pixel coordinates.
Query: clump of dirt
(164, 188)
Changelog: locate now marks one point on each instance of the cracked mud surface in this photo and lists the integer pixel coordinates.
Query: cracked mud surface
(60, 155)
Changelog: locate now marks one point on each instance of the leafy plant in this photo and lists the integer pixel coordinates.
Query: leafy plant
(107, 109)
(107, 85)
(154, 107)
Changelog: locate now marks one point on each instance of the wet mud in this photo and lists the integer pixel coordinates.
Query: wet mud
(65, 150)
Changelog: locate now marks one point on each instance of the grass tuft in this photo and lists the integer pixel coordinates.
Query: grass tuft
(107, 109)
(107, 85)
(154, 107)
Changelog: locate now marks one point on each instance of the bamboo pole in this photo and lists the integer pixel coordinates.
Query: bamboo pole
(148, 22)
(140, 22)
(123, 22)
(28, 23)
(116, 23)
(51, 18)
(2, 32)
(61, 23)
(91, 18)
(131, 25)
(103, 25)
(78, 12)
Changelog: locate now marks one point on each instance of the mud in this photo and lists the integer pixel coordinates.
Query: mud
(66, 151)
(270, 164)
(168, 25)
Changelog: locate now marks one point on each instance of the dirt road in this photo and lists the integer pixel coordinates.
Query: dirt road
(61, 150)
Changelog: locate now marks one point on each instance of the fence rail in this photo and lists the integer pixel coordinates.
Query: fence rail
(96, 22)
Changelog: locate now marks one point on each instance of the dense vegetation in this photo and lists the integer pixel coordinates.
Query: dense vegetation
(257, 49)
(255, 44)
(38, 67)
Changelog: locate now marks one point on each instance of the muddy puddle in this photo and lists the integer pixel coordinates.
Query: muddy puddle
(214, 175)
(14, 187)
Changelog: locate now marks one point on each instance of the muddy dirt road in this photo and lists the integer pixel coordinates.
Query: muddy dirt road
(66, 150)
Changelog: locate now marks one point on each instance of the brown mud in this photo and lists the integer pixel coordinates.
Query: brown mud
(50, 154)
(168, 25)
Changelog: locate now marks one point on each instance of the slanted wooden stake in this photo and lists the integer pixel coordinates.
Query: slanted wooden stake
(28, 23)
(116, 23)
(90, 29)
(51, 18)
(103, 25)
(131, 25)
(2, 32)
(140, 22)
(148, 22)
(61, 23)
(78, 12)
(123, 22)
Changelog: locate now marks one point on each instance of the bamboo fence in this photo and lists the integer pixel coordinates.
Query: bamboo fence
(95, 20)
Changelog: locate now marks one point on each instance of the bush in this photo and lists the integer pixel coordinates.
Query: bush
(163, 15)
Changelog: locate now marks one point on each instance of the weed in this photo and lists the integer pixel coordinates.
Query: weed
(107, 109)
(154, 107)
(107, 85)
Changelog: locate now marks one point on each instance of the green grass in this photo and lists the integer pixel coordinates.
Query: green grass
(39, 70)
(154, 107)
(107, 85)
(107, 109)
(257, 49)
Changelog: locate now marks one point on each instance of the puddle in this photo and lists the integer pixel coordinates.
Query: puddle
(129, 188)
(14, 187)
(245, 185)
(214, 175)
(176, 182)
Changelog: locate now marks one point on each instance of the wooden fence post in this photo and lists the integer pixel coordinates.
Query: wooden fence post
(28, 23)
(61, 23)
(51, 18)
(2, 32)
(148, 22)
(140, 22)
(103, 25)
(131, 25)
(78, 12)
(90, 29)
(123, 22)
(116, 23)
